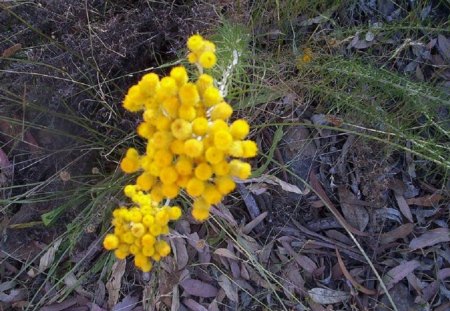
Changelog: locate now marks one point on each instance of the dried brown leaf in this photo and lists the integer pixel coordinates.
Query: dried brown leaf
(198, 288)
(444, 46)
(404, 207)
(128, 303)
(114, 282)
(255, 222)
(180, 251)
(356, 215)
(229, 288)
(12, 50)
(428, 200)
(399, 272)
(223, 252)
(430, 238)
(193, 305)
(398, 233)
(49, 256)
(327, 296)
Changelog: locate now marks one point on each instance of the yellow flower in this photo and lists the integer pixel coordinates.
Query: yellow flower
(195, 43)
(143, 263)
(195, 187)
(207, 59)
(146, 130)
(200, 126)
(237, 149)
(189, 95)
(149, 84)
(239, 129)
(145, 181)
(162, 123)
(130, 163)
(168, 87)
(193, 148)
(111, 242)
(240, 169)
(134, 100)
(120, 254)
(250, 148)
(221, 111)
(171, 105)
(156, 194)
(162, 247)
(162, 217)
(223, 140)
(184, 166)
(174, 213)
(211, 195)
(181, 129)
(203, 171)
(214, 155)
(138, 230)
(148, 240)
(168, 175)
(192, 58)
(211, 96)
(225, 184)
(179, 74)
(177, 147)
(162, 139)
(187, 112)
(200, 210)
(203, 82)
(170, 190)
(148, 220)
(148, 251)
(221, 168)
(163, 158)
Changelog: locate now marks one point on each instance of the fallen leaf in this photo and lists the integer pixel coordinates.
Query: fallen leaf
(430, 238)
(352, 280)
(327, 296)
(128, 303)
(318, 189)
(114, 283)
(229, 288)
(193, 305)
(49, 256)
(12, 50)
(175, 303)
(399, 272)
(428, 200)
(198, 288)
(13, 296)
(356, 215)
(225, 253)
(403, 206)
(398, 233)
(255, 222)
(444, 46)
(180, 251)
(273, 180)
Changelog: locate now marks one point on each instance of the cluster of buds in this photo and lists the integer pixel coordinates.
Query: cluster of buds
(191, 147)
(137, 231)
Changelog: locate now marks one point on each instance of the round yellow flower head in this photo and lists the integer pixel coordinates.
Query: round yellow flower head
(207, 59)
(111, 242)
(195, 43)
(181, 129)
(193, 148)
(179, 74)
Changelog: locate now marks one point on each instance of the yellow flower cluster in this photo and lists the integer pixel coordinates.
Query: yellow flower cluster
(202, 52)
(191, 146)
(137, 231)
